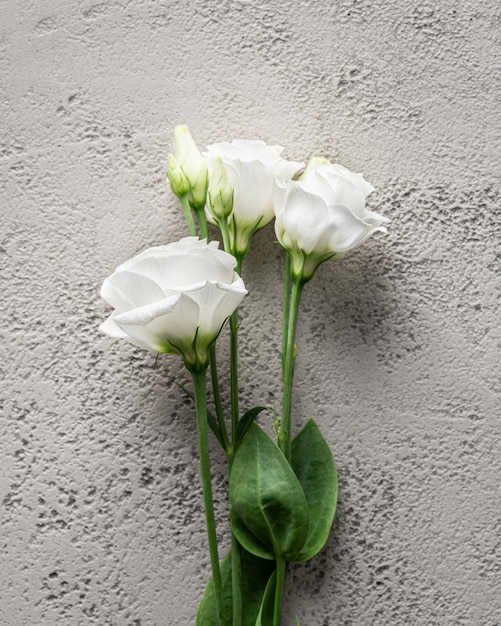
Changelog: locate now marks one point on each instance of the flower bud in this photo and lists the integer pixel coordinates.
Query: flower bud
(193, 165)
(220, 191)
(177, 178)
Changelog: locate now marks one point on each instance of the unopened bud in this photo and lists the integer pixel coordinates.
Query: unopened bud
(177, 178)
(193, 165)
(221, 191)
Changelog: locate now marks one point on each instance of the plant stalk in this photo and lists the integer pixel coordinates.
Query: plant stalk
(290, 357)
(199, 382)
(188, 215)
(286, 308)
(217, 398)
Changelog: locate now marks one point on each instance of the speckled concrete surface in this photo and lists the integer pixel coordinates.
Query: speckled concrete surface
(398, 345)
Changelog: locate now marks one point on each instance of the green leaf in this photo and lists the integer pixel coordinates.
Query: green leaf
(255, 575)
(245, 423)
(265, 617)
(268, 508)
(313, 464)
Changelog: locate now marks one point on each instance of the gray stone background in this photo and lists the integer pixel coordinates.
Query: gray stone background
(101, 519)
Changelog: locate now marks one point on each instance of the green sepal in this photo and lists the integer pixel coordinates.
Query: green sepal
(255, 575)
(313, 464)
(268, 508)
(245, 423)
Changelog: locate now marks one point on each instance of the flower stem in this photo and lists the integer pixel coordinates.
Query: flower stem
(290, 357)
(286, 305)
(202, 222)
(225, 233)
(217, 398)
(188, 215)
(234, 365)
(199, 382)
(281, 572)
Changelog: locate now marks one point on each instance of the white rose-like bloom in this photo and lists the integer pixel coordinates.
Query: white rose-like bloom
(174, 298)
(323, 215)
(252, 167)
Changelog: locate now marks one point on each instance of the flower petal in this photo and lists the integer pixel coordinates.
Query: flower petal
(125, 289)
(304, 218)
(141, 339)
(346, 231)
(217, 301)
(172, 322)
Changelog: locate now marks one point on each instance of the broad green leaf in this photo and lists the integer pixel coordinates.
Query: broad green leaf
(312, 461)
(245, 423)
(268, 508)
(255, 575)
(265, 617)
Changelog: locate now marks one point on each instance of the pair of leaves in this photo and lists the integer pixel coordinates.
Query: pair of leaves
(282, 510)
(256, 574)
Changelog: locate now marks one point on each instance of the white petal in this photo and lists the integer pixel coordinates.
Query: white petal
(253, 194)
(245, 150)
(217, 301)
(304, 218)
(141, 339)
(375, 219)
(346, 231)
(178, 270)
(173, 321)
(287, 169)
(356, 178)
(334, 189)
(125, 290)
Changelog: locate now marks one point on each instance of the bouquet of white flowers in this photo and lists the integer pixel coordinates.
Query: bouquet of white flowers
(177, 298)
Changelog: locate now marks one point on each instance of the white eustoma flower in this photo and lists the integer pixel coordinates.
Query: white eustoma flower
(323, 215)
(252, 167)
(174, 298)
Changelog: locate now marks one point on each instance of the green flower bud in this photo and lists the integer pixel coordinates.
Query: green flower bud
(220, 191)
(193, 165)
(177, 178)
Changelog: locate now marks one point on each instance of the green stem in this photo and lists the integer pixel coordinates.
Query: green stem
(290, 357)
(217, 398)
(202, 222)
(279, 588)
(225, 232)
(188, 215)
(234, 365)
(286, 306)
(199, 382)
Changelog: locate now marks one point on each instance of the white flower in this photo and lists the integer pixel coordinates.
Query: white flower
(252, 168)
(174, 298)
(323, 215)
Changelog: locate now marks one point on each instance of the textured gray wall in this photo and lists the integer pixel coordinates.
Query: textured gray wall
(398, 344)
